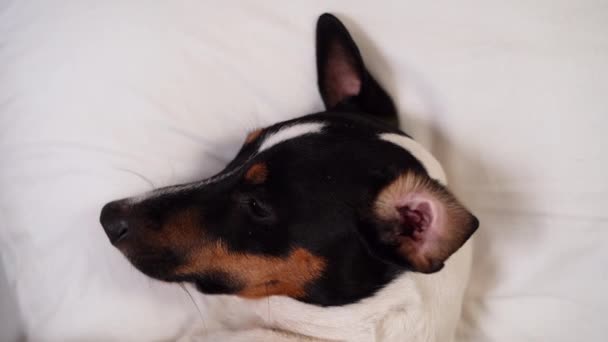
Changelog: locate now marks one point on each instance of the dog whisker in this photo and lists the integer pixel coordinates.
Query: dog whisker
(267, 302)
(139, 175)
(200, 313)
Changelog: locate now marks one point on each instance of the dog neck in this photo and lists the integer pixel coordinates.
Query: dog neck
(413, 307)
(352, 322)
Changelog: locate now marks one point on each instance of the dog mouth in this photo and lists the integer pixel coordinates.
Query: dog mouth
(162, 265)
(158, 264)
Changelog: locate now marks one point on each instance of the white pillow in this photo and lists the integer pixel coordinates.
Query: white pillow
(100, 99)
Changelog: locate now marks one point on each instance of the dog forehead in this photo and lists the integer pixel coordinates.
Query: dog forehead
(289, 132)
(282, 134)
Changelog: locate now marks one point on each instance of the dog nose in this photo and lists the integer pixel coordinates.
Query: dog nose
(113, 218)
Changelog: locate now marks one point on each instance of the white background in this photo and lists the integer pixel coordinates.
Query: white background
(511, 96)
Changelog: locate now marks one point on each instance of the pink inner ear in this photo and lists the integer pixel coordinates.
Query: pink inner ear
(423, 221)
(342, 78)
(420, 220)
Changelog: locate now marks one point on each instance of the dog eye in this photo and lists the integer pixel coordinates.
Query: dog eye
(256, 209)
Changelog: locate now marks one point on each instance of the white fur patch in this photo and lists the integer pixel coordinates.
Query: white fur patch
(432, 166)
(290, 132)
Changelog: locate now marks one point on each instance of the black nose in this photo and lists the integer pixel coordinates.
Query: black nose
(113, 218)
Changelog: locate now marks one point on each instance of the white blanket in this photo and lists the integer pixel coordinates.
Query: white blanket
(96, 97)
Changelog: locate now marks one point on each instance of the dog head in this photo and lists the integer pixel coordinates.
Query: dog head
(326, 208)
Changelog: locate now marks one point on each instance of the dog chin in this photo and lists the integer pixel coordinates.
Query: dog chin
(160, 266)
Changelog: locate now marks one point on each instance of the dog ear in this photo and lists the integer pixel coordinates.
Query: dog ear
(343, 80)
(417, 223)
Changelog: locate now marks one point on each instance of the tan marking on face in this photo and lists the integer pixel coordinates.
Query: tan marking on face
(253, 135)
(257, 173)
(260, 275)
(181, 231)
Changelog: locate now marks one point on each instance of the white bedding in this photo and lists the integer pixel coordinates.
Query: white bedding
(98, 96)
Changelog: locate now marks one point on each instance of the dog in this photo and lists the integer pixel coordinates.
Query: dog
(338, 221)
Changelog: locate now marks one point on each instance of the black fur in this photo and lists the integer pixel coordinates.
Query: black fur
(371, 98)
(216, 283)
(318, 194)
